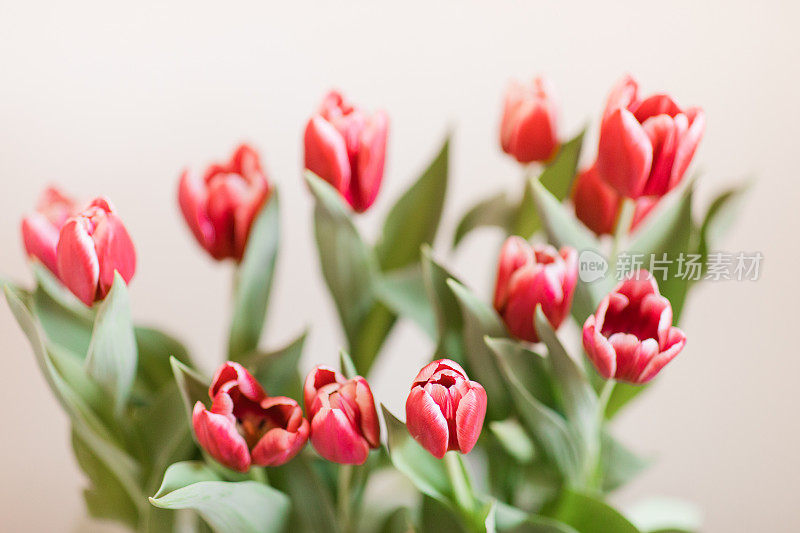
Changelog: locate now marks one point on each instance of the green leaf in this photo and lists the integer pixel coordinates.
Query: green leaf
(666, 515)
(531, 369)
(577, 396)
(346, 365)
(414, 219)
(544, 425)
(399, 521)
(481, 320)
(193, 386)
(540, 524)
(276, 371)
(590, 515)
(312, 506)
(563, 229)
(622, 394)
(241, 507)
(559, 175)
(65, 320)
(513, 439)
(112, 356)
(254, 280)
(447, 310)
(105, 497)
(403, 291)
(664, 237)
(719, 217)
(497, 211)
(618, 464)
(557, 178)
(426, 472)
(348, 265)
(438, 517)
(155, 348)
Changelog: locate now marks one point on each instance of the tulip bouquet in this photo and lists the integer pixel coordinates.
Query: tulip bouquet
(506, 429)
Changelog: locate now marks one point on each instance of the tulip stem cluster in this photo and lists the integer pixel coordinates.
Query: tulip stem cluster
(624, 220)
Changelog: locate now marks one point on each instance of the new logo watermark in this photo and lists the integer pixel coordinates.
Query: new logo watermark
(716, 266)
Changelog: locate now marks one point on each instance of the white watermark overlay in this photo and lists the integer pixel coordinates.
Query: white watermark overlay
(718, 266)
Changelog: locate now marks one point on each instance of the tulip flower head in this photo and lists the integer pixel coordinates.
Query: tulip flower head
(597, 205)
(92, 245)
(630, 337)
(529, 127)
(245, 426)
(220, 206)
(646, 145)
(346, 146)
(445, 410)
(41, 228)
(344, 422)
(531, 275)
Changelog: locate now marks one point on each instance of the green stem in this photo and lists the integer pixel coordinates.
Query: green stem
(462, 488)
(624, 220)
(259, 473)
(595, 473)
(343, 497)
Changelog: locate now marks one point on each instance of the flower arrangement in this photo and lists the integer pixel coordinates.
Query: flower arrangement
(507, 429)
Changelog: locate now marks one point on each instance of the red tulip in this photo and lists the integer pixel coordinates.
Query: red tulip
(630, 337)
(92, 245)
(346, 147)
(245, 426)
(529, 129)
(646, 145)
(40, 229)
(344, 422)
(528, 276)
(597, 205)
(445, 410)
(220, 207)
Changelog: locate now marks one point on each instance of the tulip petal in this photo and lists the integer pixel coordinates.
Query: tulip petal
(426, 423)
(596, 204)
(335, 438)
(469, 417)
(687, 144)
(319, 376)
(598, 349)
(657, 104)
(217, 434)
(516, 253)
(624, 153)
(78, 267)
(326, 153)
(278, 446)
(115, 252)
(364, 186)
(193, 197)
(40, 238)
(623, 95)
(663, 132)
(368, 416)
(676, 341)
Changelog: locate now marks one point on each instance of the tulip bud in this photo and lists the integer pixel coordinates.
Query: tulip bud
(40, 229)
(245, 426)
(445, 410)
(220, 207)
(597, 205)
(528, 130)
(528, 276)
(346, 147)
(92, 245)
(630, 337)
(646, 145)
(344, 422)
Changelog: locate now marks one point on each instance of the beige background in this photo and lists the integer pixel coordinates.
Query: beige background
(115, 98)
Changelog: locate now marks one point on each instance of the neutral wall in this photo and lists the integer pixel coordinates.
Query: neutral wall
(115, 98)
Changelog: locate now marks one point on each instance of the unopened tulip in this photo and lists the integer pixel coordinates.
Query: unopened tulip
(40, 229)
(346, 146)
(344, 422)
(246, 427)
(597, 205)
(92, 245)
(529, 129)
(220, 206)
(630, 337)
(445, 410)
(528, 276)
(646, 145)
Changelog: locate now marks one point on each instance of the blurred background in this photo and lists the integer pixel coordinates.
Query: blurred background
(115, 99)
